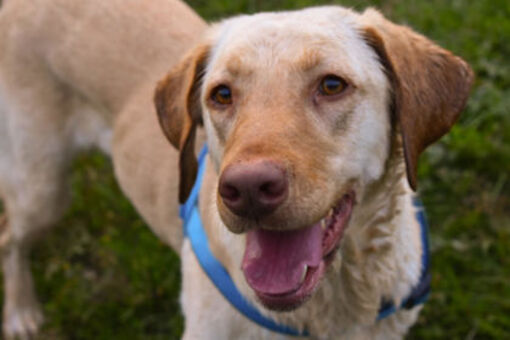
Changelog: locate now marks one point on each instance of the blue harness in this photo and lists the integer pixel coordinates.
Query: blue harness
(195, 232)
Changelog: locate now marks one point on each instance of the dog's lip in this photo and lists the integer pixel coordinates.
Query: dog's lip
(294, 293)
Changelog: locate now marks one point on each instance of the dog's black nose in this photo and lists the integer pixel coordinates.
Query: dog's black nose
(253, 189)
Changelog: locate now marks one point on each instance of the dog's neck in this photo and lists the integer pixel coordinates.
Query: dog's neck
(379, 256)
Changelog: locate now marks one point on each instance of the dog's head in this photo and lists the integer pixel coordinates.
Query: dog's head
(301, 111)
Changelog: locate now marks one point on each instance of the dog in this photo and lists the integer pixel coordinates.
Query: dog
(314, 121)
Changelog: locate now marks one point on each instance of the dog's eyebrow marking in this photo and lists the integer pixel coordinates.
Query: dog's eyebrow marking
(309, 59)
(236, 67)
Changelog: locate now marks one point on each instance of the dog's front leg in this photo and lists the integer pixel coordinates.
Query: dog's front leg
(22, 315)
(22, 312)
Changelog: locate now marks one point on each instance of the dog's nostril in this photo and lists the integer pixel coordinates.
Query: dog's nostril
(273, 189)
(230, 192)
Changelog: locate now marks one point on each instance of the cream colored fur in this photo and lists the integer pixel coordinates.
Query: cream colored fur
(380, 255)
(72, 73)
(80, 74)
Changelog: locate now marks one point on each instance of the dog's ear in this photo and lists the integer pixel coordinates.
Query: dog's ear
(177, 100)
(430, 85)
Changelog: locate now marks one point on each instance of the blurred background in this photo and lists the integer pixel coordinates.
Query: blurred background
(101, 274)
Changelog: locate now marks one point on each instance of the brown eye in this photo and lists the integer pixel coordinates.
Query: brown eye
(222, 95)
(331, 85)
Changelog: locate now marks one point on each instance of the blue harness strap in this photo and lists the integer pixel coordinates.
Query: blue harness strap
(194, 231)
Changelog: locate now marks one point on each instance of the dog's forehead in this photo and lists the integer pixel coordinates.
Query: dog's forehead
(287, 38)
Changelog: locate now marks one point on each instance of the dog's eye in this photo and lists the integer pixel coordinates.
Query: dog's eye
(222, 95)
(331, 85)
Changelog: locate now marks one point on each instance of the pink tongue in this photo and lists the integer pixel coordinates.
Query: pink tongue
(274, 262)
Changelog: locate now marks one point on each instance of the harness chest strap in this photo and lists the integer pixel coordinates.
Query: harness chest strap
(194, 231)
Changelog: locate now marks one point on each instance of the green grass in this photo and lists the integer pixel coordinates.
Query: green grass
(102, 274)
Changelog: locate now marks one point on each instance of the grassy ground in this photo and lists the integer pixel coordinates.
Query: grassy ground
(102, 274)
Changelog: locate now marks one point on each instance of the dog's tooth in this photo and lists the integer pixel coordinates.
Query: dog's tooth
(330, 212)
(304, 274)
(323, 224)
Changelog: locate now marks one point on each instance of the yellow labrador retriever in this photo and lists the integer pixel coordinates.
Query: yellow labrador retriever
(314, 122)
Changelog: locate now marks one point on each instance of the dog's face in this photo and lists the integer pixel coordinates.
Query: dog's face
(290, 104)
(300, 110)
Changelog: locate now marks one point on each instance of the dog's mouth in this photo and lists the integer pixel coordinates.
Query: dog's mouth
(285, 267)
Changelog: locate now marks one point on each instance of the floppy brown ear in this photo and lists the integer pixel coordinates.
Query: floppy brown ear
(430, 84)
(177, 100)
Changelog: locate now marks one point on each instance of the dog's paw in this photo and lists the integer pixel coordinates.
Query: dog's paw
(22, 323)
